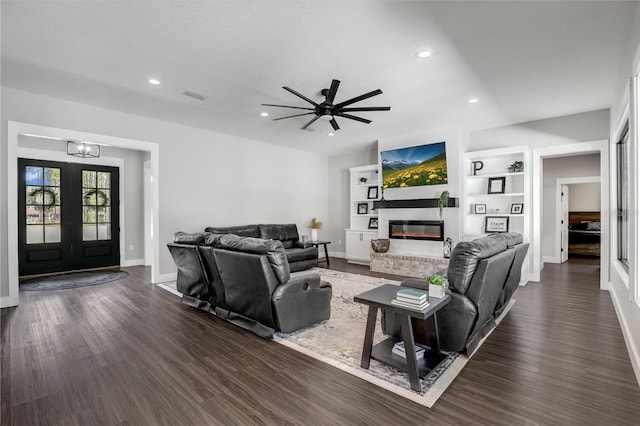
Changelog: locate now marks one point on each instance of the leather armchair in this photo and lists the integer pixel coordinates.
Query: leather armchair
(481, 277)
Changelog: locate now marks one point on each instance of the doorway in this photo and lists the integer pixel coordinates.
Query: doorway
(67, 216)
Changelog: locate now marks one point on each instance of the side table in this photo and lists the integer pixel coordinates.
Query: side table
(380, 298)
(320, 243)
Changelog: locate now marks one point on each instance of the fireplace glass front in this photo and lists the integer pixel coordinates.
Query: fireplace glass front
(416, 230)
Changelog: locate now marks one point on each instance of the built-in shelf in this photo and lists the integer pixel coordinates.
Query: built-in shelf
(422, 203)
(366, 215)
(495, 214)
(485, 176)
(510, 194)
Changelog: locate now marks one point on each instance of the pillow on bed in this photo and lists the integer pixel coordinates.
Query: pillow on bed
(593, 226)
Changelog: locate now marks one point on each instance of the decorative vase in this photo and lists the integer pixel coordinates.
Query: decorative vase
(447, 247)
(436, 291)
(380, 245)
(314, 235)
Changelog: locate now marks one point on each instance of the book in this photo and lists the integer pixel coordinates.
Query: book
(411, 294)
(411, 300)
(417, 307)
(398, 349)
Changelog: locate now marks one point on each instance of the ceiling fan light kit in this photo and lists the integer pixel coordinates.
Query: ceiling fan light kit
(327, 110)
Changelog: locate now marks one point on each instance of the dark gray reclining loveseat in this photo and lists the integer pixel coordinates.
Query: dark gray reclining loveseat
(247, 281)
(483, 275)
(299, 256)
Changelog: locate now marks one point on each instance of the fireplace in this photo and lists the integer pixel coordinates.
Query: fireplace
(416, 230)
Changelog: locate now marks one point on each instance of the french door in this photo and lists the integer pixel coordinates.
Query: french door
(68, 216)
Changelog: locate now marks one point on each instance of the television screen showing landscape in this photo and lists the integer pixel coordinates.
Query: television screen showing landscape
(415, 166)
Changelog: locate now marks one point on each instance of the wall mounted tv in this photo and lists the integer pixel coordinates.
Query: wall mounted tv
(414, 166)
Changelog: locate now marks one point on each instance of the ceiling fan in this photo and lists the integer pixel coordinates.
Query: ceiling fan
(328, 110)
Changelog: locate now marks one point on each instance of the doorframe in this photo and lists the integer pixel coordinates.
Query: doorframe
(557, 256)
(578, 148)
(61, 157)
(14, 129)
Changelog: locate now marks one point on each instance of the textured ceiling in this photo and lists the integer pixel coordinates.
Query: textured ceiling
(523, 60)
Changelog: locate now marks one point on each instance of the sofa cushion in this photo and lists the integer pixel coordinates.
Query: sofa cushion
(512, 238)
(243, 231)
(300, 254)
(195, 238)
(288, 233)
(273, 249)
(465, 257)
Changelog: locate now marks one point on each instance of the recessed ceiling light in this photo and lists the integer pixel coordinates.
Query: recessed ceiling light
(154, 81)
(473, 100)
(331, 134)
(264, 114)
(423, 54)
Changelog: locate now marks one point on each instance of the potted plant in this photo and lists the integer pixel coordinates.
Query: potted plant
(437, 285)
(443, 201)
(516, 167)
(315, 225)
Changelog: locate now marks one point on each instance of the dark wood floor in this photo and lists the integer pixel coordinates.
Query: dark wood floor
(128, 353)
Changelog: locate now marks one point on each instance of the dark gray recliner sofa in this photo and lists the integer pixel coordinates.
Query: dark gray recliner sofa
(299, 256)
(247, 281)
(483, 275)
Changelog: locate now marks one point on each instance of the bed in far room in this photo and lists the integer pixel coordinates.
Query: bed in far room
(584, 234)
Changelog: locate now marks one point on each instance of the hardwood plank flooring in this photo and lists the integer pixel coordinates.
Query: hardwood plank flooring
(128, 353)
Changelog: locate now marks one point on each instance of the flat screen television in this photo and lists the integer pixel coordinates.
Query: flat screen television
(414, 166)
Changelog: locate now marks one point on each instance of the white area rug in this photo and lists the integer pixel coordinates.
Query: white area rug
(338, 341)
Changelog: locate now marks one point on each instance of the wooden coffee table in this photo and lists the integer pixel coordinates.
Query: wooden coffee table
(380, 298)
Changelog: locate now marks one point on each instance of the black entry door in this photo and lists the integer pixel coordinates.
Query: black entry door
(68, 216)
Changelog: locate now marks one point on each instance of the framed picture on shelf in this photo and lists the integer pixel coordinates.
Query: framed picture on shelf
(363, 208)
(496, 185)
(496, 224)
(480, 209)
(373, 223)
(517, 208)
(372, 194)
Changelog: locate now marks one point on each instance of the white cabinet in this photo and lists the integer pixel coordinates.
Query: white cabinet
(364, 187)
(494, 192)
(359, 245)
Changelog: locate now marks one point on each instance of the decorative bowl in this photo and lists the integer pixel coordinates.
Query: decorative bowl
(380, 245)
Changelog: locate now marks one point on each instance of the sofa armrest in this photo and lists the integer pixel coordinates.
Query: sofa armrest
(302, 301)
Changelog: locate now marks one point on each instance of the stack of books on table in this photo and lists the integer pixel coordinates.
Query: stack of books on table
(398, 349)
(412, 299)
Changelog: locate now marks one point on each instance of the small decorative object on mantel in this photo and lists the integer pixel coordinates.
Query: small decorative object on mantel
(447, 247)
(516, 167)
(382, 194)
(437, 285)
(315, 225)
(363, 180)
(380, 245)
(443, 201)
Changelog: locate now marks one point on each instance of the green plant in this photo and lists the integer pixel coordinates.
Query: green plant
(435, 279)
(515, 167)
(443, 201)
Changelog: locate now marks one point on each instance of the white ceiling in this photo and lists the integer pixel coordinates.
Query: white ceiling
(523, 60)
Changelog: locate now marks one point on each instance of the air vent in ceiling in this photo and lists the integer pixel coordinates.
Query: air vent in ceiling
(198, 96)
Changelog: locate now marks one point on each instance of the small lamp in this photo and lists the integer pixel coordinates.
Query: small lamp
(83, 149)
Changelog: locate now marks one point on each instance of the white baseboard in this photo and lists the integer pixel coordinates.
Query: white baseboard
(634, 352)
(339, 254)
(133, 262)
(165, 278)
(8, 301)
(549, 259)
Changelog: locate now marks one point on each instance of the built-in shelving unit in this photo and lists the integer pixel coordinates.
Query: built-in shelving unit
(359, 235)
(517, 190)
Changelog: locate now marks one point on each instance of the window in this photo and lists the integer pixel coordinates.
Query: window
(622, 160)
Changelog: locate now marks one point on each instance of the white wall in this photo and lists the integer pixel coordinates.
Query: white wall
(584, 197)
(453, 136)
(133, 189)
(206, 178)
(339, 219)
(623, 284)
(553, 169)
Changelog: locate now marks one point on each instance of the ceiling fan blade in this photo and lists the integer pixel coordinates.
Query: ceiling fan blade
(288, 89)
(353, 117)
(290, 116)
(359, 98)
(310, 122)
(286, 106)
(367, 109)
(334, 123)
(333, 90)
